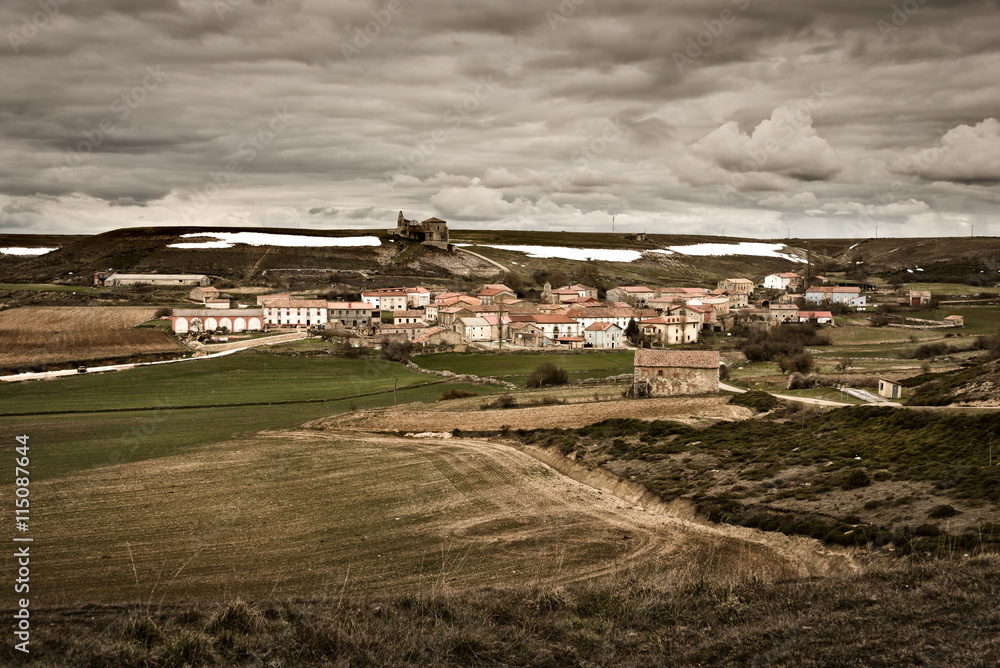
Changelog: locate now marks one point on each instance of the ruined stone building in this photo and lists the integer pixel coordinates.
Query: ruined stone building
(432, 232)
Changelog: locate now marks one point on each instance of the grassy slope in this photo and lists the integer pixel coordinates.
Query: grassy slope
(907, 463)
(941, 614)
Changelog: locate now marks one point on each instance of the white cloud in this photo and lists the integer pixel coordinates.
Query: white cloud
(785, 144)
(964, 155)
(798, 199)
(476, 202)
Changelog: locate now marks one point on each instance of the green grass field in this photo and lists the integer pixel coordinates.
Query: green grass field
(517, 367)
(950, 289)
(979, 320)
(70, 442)
(47, 287)
(234, 379)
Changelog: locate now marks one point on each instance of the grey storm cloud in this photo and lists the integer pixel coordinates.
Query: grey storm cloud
(496, 113)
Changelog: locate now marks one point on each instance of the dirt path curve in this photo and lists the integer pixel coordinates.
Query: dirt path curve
(483, 257)
(565, 518)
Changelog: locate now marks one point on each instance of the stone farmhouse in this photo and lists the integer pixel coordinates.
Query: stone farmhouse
(632, 294)
(350, 315)
(741, 285)
(666, 373)
(203, 294)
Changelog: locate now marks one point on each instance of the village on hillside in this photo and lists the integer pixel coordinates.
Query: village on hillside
(570, 316)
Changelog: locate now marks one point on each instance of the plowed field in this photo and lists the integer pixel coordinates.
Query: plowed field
(34, 335)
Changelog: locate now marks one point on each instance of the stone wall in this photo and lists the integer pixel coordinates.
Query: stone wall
(677, 380)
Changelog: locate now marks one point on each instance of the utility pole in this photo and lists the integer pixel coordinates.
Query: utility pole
(394, 381)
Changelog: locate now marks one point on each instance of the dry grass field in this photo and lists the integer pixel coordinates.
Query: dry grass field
(36, 335)
(464, 414)
(303, 513)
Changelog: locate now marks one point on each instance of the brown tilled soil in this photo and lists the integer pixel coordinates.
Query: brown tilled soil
(36, 335)
(464, 416)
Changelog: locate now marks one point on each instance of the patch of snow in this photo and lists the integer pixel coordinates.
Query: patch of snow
(26, 251)
(919, 269)
(854, 246)
(909, 271)
(742, 248)
(562, 252)
(228, 239)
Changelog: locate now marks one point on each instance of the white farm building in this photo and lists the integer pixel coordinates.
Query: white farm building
(196, 321)
(157, 279)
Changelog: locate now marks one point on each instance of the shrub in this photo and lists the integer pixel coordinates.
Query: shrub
(756, 400)
(455, 393)
(502, 401)
(781, 341)
(547, 374)
(723, 372)
(397, 351)
(798, 381)
(853, 479)
(799, 362)
(929, 350)
(942, 511)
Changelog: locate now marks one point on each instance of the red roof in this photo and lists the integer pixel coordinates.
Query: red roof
(600, 327)
(553, 319)
(358, 306)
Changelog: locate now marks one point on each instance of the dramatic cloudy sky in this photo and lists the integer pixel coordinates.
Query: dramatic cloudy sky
(749, 117)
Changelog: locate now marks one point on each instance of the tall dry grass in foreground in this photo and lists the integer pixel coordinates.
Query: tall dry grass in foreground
(939, 613)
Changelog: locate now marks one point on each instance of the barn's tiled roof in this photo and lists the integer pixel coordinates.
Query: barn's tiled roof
(691, 359)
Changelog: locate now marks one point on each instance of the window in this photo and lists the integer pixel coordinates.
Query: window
(659, 372)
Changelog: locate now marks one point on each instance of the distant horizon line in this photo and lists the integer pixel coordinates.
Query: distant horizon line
(282, 229)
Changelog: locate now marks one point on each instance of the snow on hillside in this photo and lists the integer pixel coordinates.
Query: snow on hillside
(742, 248)
(228, 239)
(26, 251)
(565, 253)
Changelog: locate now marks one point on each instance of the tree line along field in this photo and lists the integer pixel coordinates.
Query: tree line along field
(32, 336)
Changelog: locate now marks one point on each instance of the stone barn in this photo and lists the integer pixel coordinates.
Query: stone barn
(665, 373)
